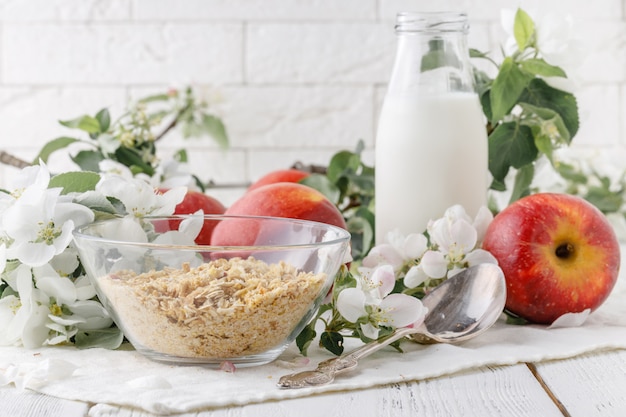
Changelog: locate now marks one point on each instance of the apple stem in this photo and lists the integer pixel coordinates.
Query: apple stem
(564, 250)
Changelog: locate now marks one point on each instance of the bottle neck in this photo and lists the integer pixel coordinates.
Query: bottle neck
(432, 54)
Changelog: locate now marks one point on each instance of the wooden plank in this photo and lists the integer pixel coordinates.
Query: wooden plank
(22, 403)
(510, 391)
(589, 385)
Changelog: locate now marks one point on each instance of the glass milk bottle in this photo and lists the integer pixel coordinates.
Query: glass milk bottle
(431, 145)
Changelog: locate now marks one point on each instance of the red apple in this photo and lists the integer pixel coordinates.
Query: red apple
(558, 252)
(283, 199)
(193, 202)
(280, 175)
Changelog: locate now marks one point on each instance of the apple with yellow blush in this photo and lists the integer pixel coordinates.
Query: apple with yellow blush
(282, 199)
(559, 255)
(279, 175)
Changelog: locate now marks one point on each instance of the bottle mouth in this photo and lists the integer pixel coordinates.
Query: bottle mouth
(433, 22)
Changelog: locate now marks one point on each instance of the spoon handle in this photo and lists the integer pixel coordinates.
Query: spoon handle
(326, 370)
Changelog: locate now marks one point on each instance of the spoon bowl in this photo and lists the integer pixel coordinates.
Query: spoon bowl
(460, 308)
(464, 306)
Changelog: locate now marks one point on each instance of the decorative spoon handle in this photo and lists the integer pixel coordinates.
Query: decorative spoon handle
(326, 370)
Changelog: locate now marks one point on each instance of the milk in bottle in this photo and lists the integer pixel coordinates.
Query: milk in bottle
(431, 144)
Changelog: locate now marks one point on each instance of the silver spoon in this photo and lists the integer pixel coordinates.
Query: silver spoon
(460, 308)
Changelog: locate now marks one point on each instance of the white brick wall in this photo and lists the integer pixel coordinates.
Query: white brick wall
(300, 79)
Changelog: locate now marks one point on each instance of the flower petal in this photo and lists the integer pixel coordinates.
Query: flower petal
(464, 236)
(483, 219)
(480, 256)
(570, 319)
(383, 254)
(415, 276)
(370, 331)
(35, 332)
(434, 264)
(351, 304)
(32, 254)
(383, 279)
(415, 245)
(402, 310)
(61, 288)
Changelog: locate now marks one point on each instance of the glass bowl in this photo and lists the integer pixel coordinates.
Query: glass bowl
(179, 302)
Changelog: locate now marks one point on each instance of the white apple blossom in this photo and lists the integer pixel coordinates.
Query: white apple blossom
(397, 251)
(38, 222)
(48, 308)
(43, 302)
(168, 174)
(172, 173)
(372, 305)
(139, 197)
(456, 242)
(453, 244)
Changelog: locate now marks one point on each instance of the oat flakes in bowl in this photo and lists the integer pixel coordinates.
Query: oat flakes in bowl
(182, 303)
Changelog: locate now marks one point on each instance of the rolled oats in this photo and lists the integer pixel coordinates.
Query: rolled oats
(225, 308)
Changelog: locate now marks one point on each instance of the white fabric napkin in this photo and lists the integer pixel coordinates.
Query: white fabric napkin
(126, 378)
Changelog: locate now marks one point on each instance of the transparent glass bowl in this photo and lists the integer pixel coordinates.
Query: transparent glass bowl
(180, 302)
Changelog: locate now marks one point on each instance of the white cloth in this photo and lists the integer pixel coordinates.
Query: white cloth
(126, 378)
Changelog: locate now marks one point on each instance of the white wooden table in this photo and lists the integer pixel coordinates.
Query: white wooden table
(585, 386)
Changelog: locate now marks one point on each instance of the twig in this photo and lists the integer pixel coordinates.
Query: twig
(171, 125)
(314, 169)
(12, 160)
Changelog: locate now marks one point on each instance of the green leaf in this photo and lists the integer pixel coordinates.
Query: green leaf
(543, 143)
(538, 66)
(362, 231)
(77, 181)
(507, 89)
(86, 123)
(119, 207)
(547, 127)
(604, 199)
(155, 97)
(523, 179)
(332, 341)
(514, 319)
(475, 53)
(322, 184)
(110, 338)
(134, 160)
(215, 128)
(485, 102)
(104, 119)
(482, 81)
(551, 123)
(88, 160)
(97, 202)
(53, 146)
(510, 145)
(523, 29)
(541, 95)
(306, 336)
(344, 279)
(440, 54)
(181, 156)
(570, 172)
(340, 163)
